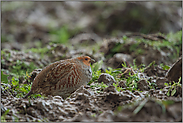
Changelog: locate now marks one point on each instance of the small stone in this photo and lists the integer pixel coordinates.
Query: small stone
(61, 118)
(118, 59)
(122, 84)
(160, 81)
(111, 88)
(62, 112)
(137, 94)
(80, 96)
(106, 79)
(58, 98)
(143, 85)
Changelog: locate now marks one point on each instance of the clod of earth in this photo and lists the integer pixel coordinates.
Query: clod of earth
(175, 72)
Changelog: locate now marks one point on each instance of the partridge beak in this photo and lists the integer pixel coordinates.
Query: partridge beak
(92, 61)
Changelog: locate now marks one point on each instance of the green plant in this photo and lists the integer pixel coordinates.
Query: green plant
(4, 77)
(152, 85)
(41, 51)
(131, 82)
(151, 64)
(124, 64)
(93, 115)
(37, 95)
(100, 86)
(3, 116)
(20, 89)
(134, 47)
(117, 48)
(134, 65)
(164, 67)
(142, 68)
(60, 36)
(100, 112)
(117, 87)
(172, 89)
(175, 37)
(113, 72)
(20, 68)
(173, 43)
(96, 71)
(5, 54)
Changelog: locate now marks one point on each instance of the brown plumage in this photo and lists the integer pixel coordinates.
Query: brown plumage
(63, 77)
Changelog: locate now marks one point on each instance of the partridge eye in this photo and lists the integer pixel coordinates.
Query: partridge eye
(86, 59)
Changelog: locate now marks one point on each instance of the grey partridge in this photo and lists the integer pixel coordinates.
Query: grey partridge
(63, 77)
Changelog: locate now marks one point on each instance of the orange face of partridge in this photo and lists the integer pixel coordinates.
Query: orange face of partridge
(86, 60)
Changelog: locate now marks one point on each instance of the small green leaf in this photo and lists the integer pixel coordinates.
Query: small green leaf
(36, 95)
(168, 93)
(179, 79)
(173, 92)
(124, 64)
(3, 119)
(166, 84)
(97, 66)
(15, 81)
(151, 64)
(4, 77)
(166, 67)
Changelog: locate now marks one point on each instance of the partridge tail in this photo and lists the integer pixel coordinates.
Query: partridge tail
(28, 94)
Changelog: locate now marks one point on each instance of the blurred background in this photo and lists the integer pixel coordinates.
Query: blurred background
(28, 23)
(60, 30)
